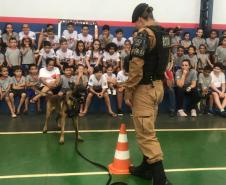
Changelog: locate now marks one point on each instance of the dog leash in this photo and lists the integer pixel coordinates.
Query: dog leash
(96, 164)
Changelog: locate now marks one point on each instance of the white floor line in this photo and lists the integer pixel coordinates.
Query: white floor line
(51, 175)
(128, 130)
(104, 173)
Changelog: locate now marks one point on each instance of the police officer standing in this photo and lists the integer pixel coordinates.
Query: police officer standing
(144, 90)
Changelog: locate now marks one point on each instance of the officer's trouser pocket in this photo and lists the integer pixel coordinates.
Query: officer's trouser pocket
(146, 99)
(159, 91)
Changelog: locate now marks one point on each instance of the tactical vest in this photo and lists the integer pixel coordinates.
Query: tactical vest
(156, 59)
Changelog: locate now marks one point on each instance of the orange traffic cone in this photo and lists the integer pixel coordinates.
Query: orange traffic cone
(121, 161)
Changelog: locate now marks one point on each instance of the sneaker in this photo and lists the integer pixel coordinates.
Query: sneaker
(109, 91)
(114, 92)
(181, 113)
(222, 114)
(13, 116)
(120, 113)
(193, 113)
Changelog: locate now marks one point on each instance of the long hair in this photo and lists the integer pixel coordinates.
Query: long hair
(77, 50)
(30, 42)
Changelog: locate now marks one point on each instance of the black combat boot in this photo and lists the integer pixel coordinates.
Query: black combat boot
(158, 174)
(142, 170)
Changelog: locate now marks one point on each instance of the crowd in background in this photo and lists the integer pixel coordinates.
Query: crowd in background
(35, 65)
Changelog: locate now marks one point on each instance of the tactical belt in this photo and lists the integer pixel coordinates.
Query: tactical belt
(151, 79)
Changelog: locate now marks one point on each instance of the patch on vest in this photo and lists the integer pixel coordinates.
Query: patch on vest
(165, 41)
(140, 45)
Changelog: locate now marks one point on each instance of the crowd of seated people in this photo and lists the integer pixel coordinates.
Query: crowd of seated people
(33, 66)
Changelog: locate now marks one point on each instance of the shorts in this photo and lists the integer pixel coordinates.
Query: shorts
(18, 92)
(204, 96)
(220, 89)
(6, 93)
(30, 93)
(98, 89)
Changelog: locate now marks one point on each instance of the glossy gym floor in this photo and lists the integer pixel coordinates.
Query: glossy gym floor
(195, 150)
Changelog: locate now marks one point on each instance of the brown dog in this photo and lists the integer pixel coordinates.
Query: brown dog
(66, 107)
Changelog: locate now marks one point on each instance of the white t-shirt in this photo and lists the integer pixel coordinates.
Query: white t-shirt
(113, 76)
(121, 77)
(54, 40)
(30, 34)
(71, 37)
(50, 76)
(94, 82)
(80, 59)
(119, 43)
(93, 58)
(64, 56)
(45, 55)
(217, 80)
(87, 39)
(111, 59)
(131, 40)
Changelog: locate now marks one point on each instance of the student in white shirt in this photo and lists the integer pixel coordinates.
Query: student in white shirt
(97, 86)
(122, 76)
(70, 35)
(85, 36)
(111, 57)
(125, 52)
(119, 39)
(53, 39)
(27, 33)
(64, 55)
(80, 53)
(45, 52)
(94, 56)
(134, 34)
(49, 77)
(111, 79)
(218, 88)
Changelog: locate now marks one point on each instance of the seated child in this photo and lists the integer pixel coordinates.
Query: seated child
(204, 83)
(111, 57)
(97, 86)
(18, 88)
(111, 79)
(5, 85)
(81, 80)
(65, 79)
(218, 88)
(122, 76)
(32, 84)
(49, 77)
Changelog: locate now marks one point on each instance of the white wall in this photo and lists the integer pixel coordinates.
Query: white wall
(166, 11)
(111, 10)
(219, 12)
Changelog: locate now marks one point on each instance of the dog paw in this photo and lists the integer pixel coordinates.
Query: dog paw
(61, 141)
